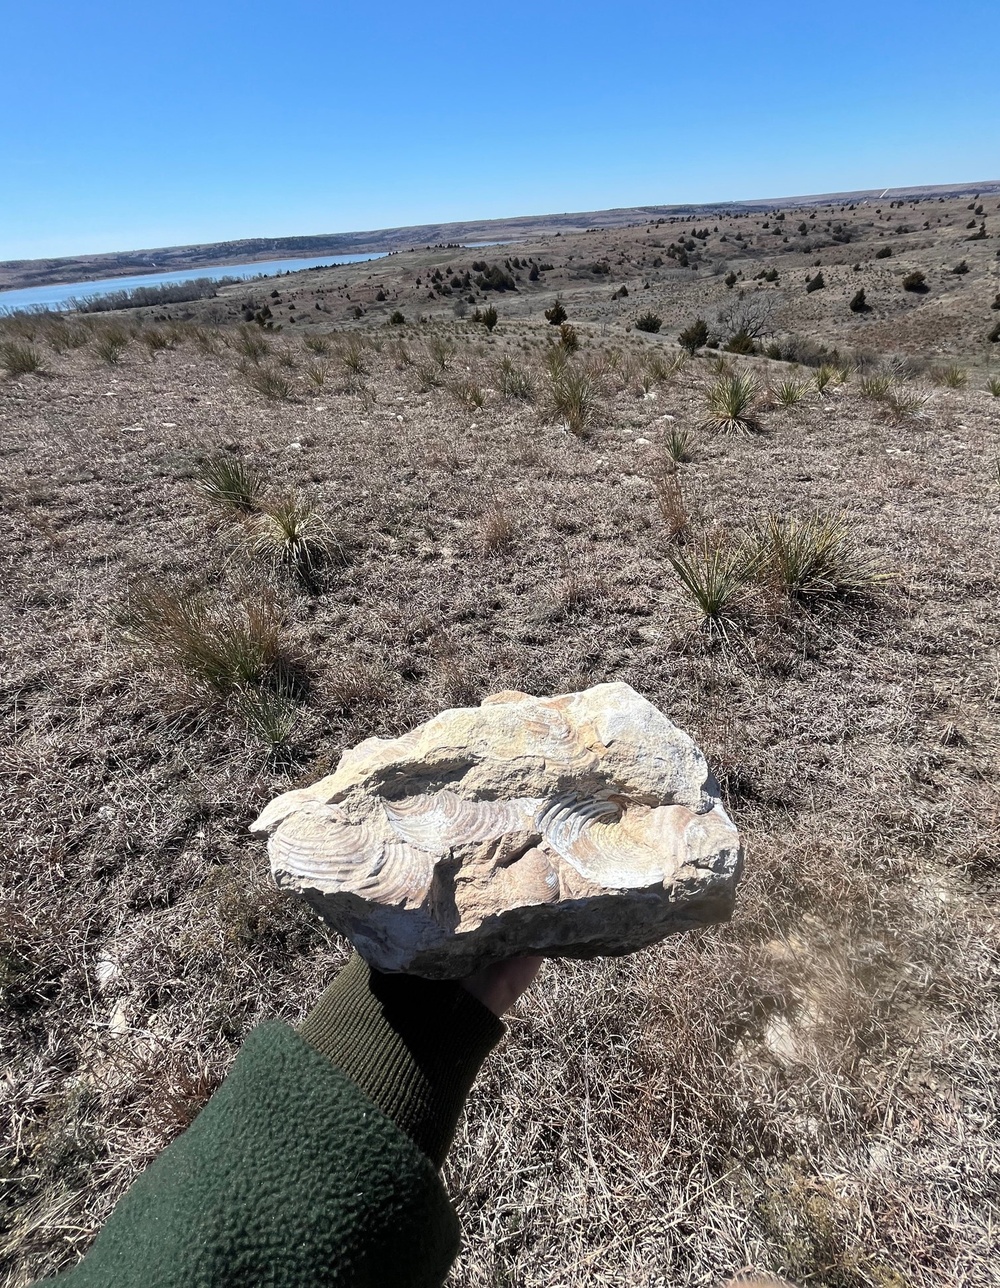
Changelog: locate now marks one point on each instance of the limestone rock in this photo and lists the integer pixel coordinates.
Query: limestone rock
(573, 826)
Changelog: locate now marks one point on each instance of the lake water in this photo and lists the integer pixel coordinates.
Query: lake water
(58, 296)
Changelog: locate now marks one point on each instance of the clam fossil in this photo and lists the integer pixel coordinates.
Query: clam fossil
(575, 825)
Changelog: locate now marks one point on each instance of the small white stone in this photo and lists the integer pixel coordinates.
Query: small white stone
(106, 971)
(643, 441)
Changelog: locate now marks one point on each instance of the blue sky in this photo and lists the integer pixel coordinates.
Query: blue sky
(150, 124)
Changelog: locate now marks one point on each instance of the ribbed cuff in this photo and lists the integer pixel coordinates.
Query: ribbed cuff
(413, 1046)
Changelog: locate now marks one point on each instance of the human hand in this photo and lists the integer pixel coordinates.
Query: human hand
(499, 986)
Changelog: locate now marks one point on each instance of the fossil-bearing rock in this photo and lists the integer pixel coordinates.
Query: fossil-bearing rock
(570, 826)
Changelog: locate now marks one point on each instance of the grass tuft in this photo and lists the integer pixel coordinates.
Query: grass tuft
(20, 358)
(111, 343)
(219, 648)
(268, 381)
(514, 383)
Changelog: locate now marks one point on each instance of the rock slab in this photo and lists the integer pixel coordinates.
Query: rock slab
(571, 826)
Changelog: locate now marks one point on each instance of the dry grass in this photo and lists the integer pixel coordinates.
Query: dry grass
(498, 529)
(20, 358)
(670, 503)
(810, 1090)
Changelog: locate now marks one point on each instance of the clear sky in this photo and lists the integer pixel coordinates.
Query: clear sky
(142, 124)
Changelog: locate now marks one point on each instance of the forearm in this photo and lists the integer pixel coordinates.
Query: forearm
(412, 1045)
(315, 1161)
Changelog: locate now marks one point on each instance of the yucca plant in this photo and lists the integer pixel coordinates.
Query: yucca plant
(664, 369)
(993, 386)
(903, 404)
(440, 351)
(815, 558)
(20, 358)
(790, 391)
(231, 483)
(952, 376)
(428, 377)
(352, 355)
(731, 402)
(677, 444)
(221, 647)
(316, 373)
(513, 383)
(826, 374)
(318, 344)
(715, 574)
(290, 534)
(876, 387)
(574, 397)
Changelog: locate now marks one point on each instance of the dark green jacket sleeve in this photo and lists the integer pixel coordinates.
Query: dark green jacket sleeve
(315, 1161)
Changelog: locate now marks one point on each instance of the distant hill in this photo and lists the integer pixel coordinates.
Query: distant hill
(78, 268)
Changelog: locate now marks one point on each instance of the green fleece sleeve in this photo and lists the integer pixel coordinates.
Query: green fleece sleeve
(315, 1161)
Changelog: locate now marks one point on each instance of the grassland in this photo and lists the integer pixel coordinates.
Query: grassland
(811, 1089)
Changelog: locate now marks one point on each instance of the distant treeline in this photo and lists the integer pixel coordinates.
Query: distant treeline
(201, 288)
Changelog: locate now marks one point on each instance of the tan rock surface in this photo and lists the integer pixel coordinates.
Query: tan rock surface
(578, 825)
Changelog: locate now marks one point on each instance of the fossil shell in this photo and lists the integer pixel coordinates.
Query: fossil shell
(576, 825)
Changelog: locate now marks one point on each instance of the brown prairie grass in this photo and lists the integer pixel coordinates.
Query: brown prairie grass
(498, 529)
(670, 503)
(809, 1091)
(209, 648)
(20, 358)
